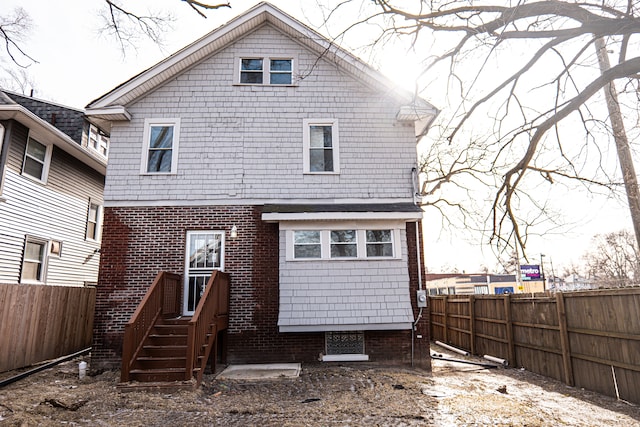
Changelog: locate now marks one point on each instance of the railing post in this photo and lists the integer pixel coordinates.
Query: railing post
(472, 324)
(445, 323)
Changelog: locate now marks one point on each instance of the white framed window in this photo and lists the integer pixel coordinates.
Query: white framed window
(93, 221)
(160, 153)
(342, 244)
(34, 260)
(307, 244)
(98, 141)
(265, 70)
(379, 243)
(321, 146)
(37, 158)
(204, 254)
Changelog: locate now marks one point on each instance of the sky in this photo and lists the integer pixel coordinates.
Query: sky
(76, 64)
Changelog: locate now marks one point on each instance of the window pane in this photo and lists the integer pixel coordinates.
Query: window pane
(320, 136)
(33, 167)
(36, 150)
(280, 65)
(379, 249)
(344, 250)
(307, 251)
(306, 237)
(93, 213)
(378, 235)
(321, 160)
(280, 79)
(161, 137)
(251, 77)
(251, 65)
(159, 161)
(34, 251)
(91, 230)
(31, 271)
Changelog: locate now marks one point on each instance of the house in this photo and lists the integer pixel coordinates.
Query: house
(480, 284)
(267, 152)
(52, 168)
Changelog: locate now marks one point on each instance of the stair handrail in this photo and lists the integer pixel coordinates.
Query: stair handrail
(162, 298)
(203, 325)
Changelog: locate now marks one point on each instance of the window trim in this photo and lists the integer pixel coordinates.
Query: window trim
(146, 144)
(325, 242)
(306, 144)
(98, 222)
(45, 165)
(101, 140)
(266, 69)
(44, 263)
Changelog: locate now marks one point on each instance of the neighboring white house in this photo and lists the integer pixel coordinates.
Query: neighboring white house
(52, 167)
(292, 165)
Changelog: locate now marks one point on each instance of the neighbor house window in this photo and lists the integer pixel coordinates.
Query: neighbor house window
(306, 244)
(36, 160)
(379, 243)
(320, 141)
(93, 217)
(261, 70)
(33, 260)
(344, 244)
(161, 146)
(98, 141)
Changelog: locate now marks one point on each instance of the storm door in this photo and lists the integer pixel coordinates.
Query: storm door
(204, 254)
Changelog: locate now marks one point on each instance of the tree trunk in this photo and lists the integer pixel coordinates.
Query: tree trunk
(622, 143)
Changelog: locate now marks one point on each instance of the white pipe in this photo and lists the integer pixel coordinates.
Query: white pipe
(496, 359)
(454, 349)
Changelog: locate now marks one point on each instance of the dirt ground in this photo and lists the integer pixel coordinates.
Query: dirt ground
(453, 394)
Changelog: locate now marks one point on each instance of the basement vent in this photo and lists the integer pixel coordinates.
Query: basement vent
(344, 343)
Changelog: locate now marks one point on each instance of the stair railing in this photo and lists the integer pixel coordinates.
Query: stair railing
(211, 316)
(162, 298)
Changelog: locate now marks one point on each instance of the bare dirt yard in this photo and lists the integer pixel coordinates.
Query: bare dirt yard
(453, 394)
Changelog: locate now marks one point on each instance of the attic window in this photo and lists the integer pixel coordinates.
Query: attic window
(260, 70)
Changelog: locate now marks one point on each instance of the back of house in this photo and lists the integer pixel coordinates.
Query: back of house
(265, 151)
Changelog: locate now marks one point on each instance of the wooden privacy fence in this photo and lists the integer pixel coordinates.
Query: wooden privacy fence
(587, 339)
(39, 323)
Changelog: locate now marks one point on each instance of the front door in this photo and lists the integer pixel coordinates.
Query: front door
(204, 254)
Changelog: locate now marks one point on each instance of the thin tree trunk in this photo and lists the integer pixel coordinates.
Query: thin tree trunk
(622, 142)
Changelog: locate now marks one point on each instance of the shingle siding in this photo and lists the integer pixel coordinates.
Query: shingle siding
(245, 142)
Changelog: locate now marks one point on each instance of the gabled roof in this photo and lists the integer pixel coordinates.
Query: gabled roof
(64, 131)
(111, 106)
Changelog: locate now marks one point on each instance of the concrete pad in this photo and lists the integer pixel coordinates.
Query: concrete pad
(261, 371)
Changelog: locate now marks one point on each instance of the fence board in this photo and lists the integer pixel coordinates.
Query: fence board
(39, 323)
(586, 338)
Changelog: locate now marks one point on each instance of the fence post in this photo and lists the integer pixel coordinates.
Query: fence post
(564, 339)
(509, 329)
(472, 324)
(445, 323)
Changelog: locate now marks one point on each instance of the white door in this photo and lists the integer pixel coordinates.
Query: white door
(204, 254)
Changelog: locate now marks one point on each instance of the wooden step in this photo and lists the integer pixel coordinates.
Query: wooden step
(146, 362)
(157, 375)
(164, 340)
(164, 351)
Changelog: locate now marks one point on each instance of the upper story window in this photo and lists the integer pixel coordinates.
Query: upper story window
(379, 243)
(344, 244)
(261, 70)
(306, 244)
(37, 157)
(320, 141)
(98, 141)
(160, 154)
(34, 260)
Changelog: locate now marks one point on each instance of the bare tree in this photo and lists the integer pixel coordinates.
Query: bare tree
(120, 20)
(613, 260)
(525, 92)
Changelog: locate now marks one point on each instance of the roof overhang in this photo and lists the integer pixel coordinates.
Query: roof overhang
(400, 326)
(47, 133)
(329, 212)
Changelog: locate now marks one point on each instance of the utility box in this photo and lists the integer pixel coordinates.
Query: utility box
(422, 298)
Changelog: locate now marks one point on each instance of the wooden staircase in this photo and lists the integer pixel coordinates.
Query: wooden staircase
(162, 349)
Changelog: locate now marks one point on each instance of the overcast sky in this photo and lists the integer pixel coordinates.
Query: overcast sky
(76, 65)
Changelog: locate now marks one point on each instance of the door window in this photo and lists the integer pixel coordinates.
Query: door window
(204, 255)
